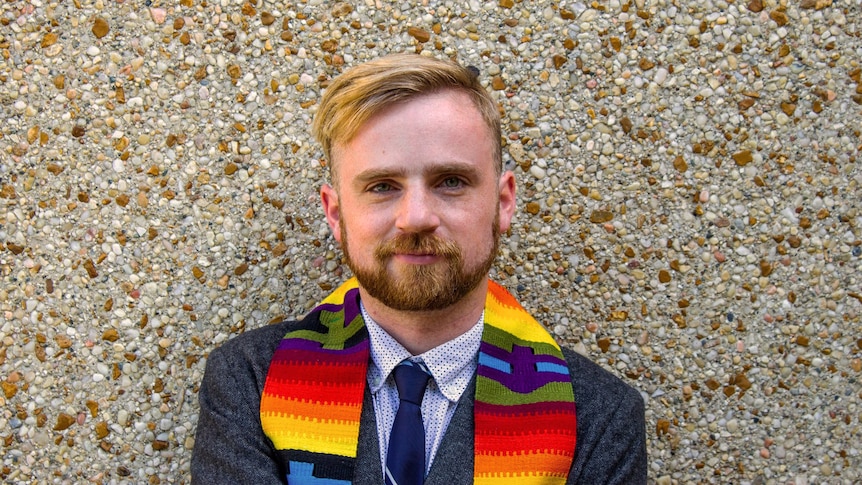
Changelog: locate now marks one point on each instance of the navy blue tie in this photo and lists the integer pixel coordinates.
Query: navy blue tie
(405, 460)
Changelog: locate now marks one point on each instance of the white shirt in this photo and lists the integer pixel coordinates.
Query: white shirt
(451, 364)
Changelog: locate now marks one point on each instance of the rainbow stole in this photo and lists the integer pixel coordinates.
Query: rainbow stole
(524, 407)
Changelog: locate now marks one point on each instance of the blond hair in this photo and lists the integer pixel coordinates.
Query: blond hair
(367, 89)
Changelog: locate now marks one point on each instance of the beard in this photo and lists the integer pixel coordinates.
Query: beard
(421, 287)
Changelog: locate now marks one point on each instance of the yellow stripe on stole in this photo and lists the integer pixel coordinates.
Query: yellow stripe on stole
(520, 480)
(314, 435)
(512, 318)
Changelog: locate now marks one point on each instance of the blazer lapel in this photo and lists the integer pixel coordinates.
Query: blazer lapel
(453, 463)
(368, 470)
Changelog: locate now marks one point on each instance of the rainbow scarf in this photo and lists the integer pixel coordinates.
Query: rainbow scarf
(524, 405)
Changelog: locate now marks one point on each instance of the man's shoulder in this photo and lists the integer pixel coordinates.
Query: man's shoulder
(257, 344)
(595, 385)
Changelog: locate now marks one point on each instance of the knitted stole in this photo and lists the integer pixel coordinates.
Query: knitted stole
(524, 405)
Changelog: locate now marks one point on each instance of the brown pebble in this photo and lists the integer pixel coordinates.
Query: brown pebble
(712, 384)
(341, 9)
(755, 5)
(498, 84)
(78, 131)
(604, 344)
(14, 248)
(279, 249)
(794, 241)
(49, 39)
(93, 406)
(664, 276)
(101, 27)
(746, 103)
(788, 108)
(419, 34)
(779, 17)
(601, 216)
(63, 341)
(662, 427)
(533, 208)
(230, 169)
(64, 421)
(234, 71)
(91, 268)
(198, 273)
(9, 389)
(507, 3)
(160, 445)
(101, 430)
(111, 335)
(559, 60)
(626, 124)
(742, 158)
(646, 64)
(267, 18)
(815, 4)
(679, 164)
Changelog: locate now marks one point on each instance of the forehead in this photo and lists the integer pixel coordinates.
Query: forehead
(443, 126)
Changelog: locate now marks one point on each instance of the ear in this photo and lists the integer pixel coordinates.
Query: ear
(329, 200)
(507, 200)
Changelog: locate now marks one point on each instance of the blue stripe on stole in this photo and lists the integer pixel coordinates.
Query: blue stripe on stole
(494, 363)
(551, 367)
(302, 473)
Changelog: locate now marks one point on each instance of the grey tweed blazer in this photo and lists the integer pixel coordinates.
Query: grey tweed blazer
(230, 447)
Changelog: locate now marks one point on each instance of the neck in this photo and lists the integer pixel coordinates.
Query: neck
(420, 331)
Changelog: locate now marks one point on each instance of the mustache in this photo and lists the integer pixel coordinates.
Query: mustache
(417, 244)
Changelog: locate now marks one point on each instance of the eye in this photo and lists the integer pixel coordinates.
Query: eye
(452, 183)
(381, 187)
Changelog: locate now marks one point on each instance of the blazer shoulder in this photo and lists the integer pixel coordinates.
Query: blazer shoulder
(592, 382)
(255, 347)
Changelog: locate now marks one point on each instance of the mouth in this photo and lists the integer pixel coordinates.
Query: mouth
(416, 258)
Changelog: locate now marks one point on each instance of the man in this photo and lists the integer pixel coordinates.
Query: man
(418, 200)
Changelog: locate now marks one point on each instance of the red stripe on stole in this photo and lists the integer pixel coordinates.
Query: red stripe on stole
(503, 432)
(335, 381)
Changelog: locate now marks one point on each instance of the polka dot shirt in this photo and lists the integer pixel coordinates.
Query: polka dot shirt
(451, 364)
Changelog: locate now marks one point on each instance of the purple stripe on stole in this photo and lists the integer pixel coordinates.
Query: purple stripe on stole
(503, 354)
(524, 378)
(351, 306)
(310, 345)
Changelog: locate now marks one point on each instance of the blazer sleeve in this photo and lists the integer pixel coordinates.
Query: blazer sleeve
(230, 447)
(611, 435)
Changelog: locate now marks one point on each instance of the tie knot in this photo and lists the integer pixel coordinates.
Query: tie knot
(410, 380)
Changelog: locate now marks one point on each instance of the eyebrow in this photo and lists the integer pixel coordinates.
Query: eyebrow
(454, 168)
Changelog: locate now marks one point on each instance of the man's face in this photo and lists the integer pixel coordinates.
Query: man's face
(419, 208)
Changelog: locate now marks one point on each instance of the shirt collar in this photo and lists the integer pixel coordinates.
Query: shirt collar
(451, 364)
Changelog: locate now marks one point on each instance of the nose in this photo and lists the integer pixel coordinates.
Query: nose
(417, 212)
